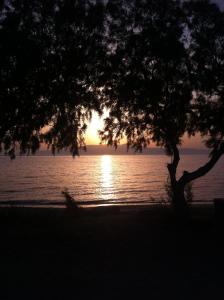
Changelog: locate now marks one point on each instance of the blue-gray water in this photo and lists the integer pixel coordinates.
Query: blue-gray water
(97, 178)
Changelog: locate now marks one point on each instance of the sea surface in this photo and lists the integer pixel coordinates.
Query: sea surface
(97, 180)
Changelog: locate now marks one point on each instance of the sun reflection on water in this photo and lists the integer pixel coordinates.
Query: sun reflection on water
(106, 172)
(106, 190)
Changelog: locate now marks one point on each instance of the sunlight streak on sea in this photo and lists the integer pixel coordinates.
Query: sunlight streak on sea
(125, 178)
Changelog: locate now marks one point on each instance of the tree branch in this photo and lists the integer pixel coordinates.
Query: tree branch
(189, 176)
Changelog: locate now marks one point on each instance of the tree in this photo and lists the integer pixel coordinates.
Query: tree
(158, 86)
(157, 65)
(50, 55)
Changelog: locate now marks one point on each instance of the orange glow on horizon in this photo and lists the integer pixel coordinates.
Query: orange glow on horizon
(92, 137)
(96, 123)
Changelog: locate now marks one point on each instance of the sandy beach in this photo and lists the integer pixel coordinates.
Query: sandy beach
(109, 253)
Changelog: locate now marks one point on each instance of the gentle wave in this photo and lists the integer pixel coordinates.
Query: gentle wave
(100, 178)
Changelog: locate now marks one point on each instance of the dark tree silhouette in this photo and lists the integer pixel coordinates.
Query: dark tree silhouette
(157, 65)
(166, 67)
(50, 52)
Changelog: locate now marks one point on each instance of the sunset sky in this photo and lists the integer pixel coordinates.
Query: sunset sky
(220, 2)
(92, 137)
(96, 124)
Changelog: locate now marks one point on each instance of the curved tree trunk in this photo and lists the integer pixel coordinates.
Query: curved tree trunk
(179, 202)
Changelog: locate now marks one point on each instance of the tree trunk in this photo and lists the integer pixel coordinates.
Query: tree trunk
(180, 205)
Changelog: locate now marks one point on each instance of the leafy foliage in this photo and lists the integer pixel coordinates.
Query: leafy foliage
(50, 52)
(157, 65)
(149, 91)
(166, 79)
(206, 25)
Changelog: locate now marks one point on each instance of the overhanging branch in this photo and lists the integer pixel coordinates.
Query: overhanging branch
(190, 176)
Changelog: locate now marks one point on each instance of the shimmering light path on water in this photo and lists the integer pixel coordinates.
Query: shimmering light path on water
(97, 178)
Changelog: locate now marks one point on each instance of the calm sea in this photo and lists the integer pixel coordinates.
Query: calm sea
(101, 179)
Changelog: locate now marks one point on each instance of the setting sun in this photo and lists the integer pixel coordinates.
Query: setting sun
(96, 123)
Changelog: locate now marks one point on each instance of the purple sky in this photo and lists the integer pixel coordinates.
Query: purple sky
(220, 2)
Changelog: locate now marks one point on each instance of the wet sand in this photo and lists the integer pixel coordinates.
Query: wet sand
(110, 253)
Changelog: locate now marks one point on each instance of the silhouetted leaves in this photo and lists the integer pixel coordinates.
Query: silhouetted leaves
(149, 89)
(166, 77)
(157, 65)
(50, 52)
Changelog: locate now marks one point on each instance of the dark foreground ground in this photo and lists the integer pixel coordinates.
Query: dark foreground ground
(109, 254)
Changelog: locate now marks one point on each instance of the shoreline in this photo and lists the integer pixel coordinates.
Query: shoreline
(156, 210)
(198, 210)
(96, 203)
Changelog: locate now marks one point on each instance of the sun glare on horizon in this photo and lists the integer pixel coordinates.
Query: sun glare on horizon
(96, 123)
